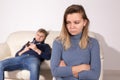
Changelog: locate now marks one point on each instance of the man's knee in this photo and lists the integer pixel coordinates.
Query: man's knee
(34, 66)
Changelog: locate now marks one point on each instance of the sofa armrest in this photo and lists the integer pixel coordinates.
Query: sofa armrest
(4, 51)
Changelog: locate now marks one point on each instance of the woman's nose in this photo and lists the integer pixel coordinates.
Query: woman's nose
(72, 25)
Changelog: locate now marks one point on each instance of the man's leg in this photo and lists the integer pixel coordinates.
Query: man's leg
(32, 64)
(10, 64)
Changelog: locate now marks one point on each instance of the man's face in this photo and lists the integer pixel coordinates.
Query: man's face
(40, 36)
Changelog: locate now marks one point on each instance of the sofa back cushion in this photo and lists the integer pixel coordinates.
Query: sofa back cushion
(17, 39)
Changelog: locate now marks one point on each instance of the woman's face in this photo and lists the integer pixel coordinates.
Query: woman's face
(75, 23)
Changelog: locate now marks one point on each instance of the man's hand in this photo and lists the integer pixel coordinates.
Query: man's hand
(34, 47)
(24, 50)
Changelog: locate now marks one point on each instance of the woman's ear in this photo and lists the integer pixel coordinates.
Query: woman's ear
(85, 22)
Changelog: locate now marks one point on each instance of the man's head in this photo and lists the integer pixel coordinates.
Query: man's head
(41, 35)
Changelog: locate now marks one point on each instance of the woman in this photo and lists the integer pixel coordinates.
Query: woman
(75, 55)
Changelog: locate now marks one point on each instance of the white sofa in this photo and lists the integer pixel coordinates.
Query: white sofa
(16, 40)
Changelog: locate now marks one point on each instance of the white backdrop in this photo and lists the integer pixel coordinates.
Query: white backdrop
(104, 15)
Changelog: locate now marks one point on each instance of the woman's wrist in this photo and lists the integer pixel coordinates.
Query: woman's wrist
(75, 71)
(79, 68)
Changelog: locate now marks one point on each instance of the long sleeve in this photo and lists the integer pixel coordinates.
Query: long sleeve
(45, 49)
(46, 53)
(58, 71)
(94, 72)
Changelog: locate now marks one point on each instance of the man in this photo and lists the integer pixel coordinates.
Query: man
(29, 57)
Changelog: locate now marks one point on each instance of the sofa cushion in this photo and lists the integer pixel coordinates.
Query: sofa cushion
(19, 75)
(4, 51)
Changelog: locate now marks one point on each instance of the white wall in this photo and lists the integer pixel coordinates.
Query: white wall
(104, 15)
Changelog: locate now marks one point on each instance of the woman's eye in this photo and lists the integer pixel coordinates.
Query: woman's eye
(76, 22)
(67, 22)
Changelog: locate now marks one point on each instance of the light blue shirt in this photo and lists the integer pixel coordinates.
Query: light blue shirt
(76, 56)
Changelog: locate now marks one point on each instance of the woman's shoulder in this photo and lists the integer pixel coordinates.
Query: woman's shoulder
(57, 40)
(93, 40)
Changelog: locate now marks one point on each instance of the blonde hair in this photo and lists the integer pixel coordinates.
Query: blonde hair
(64, 34)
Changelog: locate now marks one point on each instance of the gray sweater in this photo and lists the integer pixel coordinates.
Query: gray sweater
(76, 56)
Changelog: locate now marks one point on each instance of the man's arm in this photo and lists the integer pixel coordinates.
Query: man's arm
(34, 48)
(23, 51)
(46, 54)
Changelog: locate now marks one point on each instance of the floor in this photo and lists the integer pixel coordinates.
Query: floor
(111, 75)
